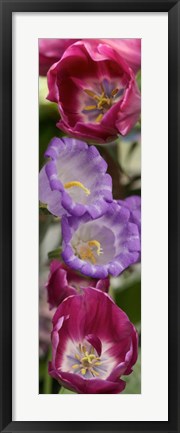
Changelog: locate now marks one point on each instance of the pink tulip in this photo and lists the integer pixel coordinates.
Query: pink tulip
(96, 91)
(129, 49)
(50, 51)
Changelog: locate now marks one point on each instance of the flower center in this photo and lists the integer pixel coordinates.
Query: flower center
(77, 184)
(88, 250)
(87, 361)
(102, 101)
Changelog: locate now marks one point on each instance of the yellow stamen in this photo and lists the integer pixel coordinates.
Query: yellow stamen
(88, 358)
(77, 357)
(86, 253)
(90, 93)
(78, 184)
(94, 372)
(99, 117)
(90, 107)
(88, 361)
(91, 357)
(96, 244)
(84, 359)
(114, 92)
(83, 349)
(103, 101)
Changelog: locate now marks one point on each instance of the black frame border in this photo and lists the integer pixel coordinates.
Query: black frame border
(6, 10)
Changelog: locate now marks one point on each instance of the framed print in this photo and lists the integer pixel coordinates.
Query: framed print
(89, 219)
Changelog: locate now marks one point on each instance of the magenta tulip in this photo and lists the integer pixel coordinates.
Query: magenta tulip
(64, 282)
(93, 344)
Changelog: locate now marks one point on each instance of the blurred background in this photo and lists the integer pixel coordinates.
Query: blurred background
(124, 165)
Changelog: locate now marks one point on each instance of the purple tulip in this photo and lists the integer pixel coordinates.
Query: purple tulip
(93, 344)
(64, 282)
(95, 90)
(100, 247)
(50, 51)
(75, 181)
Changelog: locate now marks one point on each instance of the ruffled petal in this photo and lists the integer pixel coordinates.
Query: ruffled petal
(118, 238)
(76, 177)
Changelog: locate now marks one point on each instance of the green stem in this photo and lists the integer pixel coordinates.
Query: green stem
(47, 388)
(55, 254)
(110, 152)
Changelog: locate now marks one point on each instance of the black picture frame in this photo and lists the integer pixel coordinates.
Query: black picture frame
(7, 8)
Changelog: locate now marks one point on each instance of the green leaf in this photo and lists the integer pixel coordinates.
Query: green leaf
(128, 297)
(42, 367)
(132, 148)
(138, 79)
(65, 391)
(44, 222)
